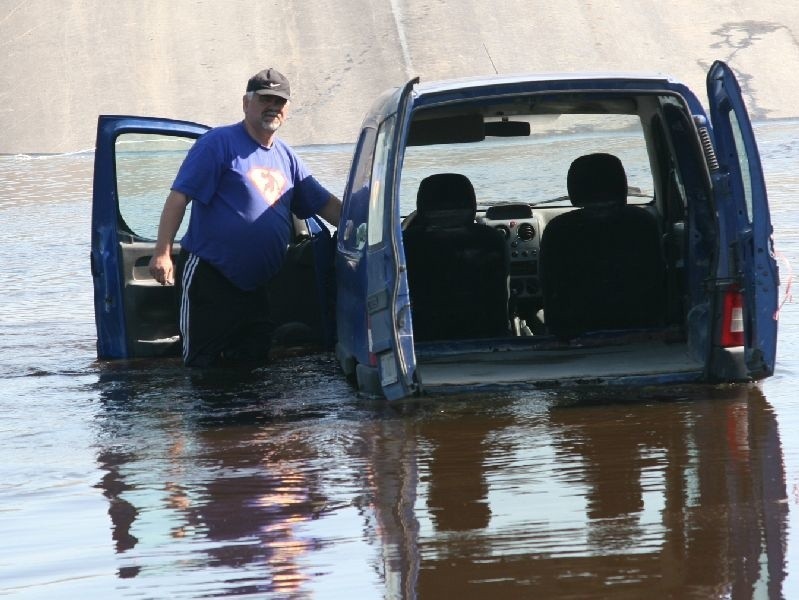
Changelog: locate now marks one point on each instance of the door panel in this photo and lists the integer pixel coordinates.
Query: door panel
(134, 165)
(744, 212)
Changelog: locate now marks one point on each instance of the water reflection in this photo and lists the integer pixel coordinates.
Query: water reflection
(211, 464)
(243, 489)
(712, 468)
(719, 473)
(365, 510)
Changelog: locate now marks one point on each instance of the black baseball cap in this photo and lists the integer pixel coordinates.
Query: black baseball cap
(269, 82)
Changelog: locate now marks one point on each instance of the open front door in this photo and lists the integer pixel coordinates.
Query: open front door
(744, 213)
(135, 162)
(388, 304)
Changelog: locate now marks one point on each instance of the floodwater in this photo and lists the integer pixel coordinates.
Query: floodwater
(144, 480)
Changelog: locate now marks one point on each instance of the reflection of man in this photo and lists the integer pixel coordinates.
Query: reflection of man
(239, 493)
(253, 509)
(246, 184)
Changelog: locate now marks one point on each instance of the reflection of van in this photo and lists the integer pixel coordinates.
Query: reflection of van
(503, 231)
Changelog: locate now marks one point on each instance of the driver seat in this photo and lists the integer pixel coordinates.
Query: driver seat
(458, 270)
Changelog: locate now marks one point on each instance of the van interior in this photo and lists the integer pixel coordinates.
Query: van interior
(547, 239)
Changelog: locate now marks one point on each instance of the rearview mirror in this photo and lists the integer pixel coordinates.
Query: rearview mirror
(507, 128)
(462, 129)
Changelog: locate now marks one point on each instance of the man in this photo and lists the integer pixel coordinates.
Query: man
(245, 183)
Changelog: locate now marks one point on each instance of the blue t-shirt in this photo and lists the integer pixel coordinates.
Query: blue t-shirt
(243, 195)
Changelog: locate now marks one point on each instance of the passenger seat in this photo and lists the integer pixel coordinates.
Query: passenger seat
(602, 265)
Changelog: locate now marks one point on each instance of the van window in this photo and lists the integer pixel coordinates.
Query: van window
(355, 209)
(377, 201)
(146, 166)
(743, 161)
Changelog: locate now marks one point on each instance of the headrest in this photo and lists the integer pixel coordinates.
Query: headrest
(446, 199)
(597, 179)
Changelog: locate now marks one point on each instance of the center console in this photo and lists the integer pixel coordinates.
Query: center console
(522, 232)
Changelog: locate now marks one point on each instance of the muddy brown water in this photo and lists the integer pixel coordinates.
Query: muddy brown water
(143, 480)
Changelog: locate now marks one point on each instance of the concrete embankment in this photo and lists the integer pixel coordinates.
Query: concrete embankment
(65, 62)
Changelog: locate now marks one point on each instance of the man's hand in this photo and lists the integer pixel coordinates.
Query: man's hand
(162, 269)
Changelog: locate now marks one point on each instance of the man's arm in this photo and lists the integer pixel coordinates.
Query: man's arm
(161, 267)
(331, 212)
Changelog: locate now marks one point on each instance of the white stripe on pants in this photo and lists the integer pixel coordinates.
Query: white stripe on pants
(188, 273)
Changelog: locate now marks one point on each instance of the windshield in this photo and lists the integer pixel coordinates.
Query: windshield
(533, 169)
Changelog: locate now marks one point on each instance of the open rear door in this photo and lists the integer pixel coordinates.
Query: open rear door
(744, 212)
(388, 304)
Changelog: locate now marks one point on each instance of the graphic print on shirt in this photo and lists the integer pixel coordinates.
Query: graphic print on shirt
(270, 182)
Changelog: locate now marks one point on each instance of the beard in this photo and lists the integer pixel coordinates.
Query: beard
(270, 123)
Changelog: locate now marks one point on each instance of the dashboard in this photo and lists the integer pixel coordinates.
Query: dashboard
(522, 231)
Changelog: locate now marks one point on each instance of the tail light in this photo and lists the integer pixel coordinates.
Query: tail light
(732, 324)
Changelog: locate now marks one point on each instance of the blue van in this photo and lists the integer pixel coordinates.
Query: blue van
(506, 231)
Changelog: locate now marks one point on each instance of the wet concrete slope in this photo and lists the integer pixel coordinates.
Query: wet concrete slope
(65, 62)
